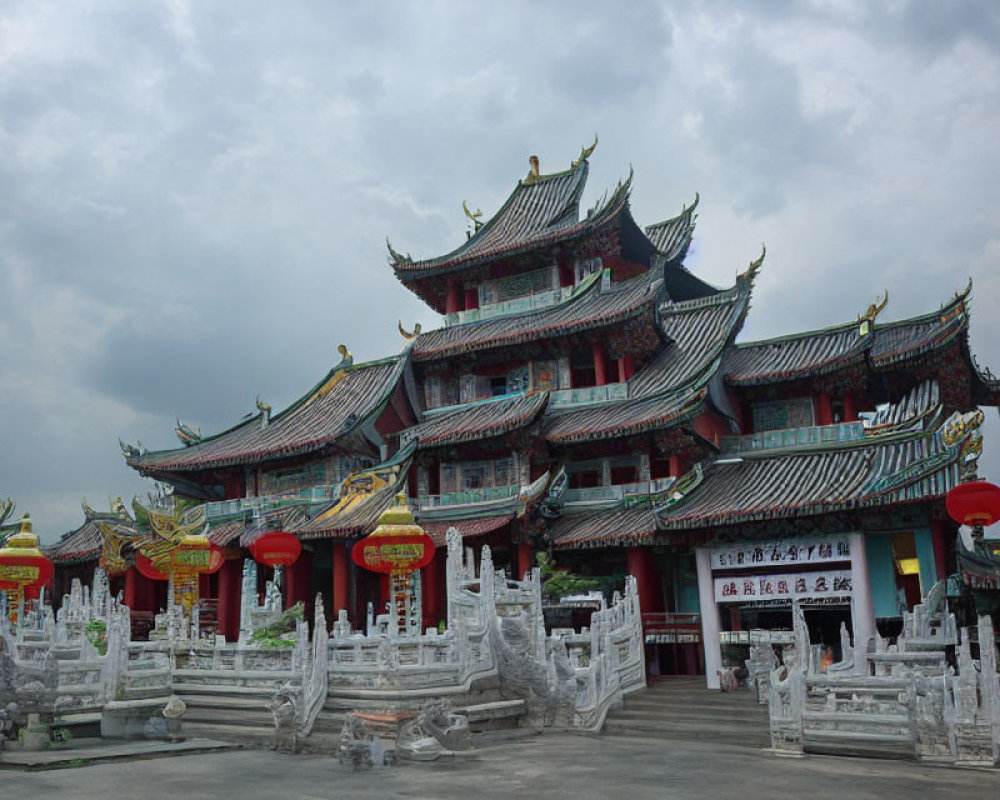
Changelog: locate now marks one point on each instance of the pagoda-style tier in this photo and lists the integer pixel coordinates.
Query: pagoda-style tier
(537, 245)
(847, 354)
(343, 417)
(905, 455)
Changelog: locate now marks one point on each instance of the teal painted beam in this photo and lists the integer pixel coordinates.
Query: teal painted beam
(925, 555)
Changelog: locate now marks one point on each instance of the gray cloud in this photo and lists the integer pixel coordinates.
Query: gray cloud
(195, 198)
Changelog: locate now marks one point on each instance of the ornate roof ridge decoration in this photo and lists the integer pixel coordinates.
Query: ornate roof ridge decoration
(874, 309)
(417, 328)
(187, 434)
(587, 310)
(750, 274)
(475, 217)
(310, 423)
(585, 153)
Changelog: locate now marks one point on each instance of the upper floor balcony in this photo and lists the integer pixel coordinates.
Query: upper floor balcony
(808, 436)
(634, 493)
(271, 502)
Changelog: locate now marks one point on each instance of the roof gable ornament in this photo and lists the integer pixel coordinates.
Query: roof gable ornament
(475, 216)
(131, 450)
(533, 175)
(754, 268)
(585, 153)
(409, 336)
(867, 319)
(265, 412)
(397, 258)
(346, 357)
(187, 434)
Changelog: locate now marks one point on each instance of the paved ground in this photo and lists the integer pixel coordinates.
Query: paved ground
(552, 766)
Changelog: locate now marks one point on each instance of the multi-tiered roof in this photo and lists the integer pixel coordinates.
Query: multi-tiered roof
(641, 302)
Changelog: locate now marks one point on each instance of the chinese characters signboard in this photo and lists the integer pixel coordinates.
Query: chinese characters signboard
(782, 552)
(783, 586)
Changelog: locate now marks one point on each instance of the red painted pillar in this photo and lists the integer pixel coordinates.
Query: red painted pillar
(452, 302)
(229, 599)
(525, 555)
(431, 583)
(471, 299)
(678, 466)
(621, 371)
(600, 376)
(850, 408)
(341, 579)
(566, 277)
(940, 531)
(204, 589)
(130, 576)
(383, 594)
(824, 412)
(640, 564)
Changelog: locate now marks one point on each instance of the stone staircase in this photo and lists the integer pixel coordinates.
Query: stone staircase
(227, 713)
(681, 708)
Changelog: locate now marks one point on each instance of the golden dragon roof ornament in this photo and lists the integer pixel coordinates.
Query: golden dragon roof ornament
(397, 258)
(409, 336)
(751, 271)
(585, 153)
(874, 309)
(476, 217)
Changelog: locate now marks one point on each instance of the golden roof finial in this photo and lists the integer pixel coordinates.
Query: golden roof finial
(409, 336)
(754, 268)
(475, 216)
(874, 309)
(585, 153)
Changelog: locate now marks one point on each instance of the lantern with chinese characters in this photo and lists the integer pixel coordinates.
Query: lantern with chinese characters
(23, 568)
(397, 547)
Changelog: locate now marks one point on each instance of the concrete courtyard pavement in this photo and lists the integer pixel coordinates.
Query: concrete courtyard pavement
(553, 765)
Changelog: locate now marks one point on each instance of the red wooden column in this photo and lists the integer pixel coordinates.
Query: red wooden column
(600, 376)
(850, 408)
(640, 564)
(453, 302)
(341, 579)
(471, 299)
(130, 576)
(432, 588)
(824, 411)
(229, 599)
(678, 466)
(940, 531)
(525, 556)
(292, 583)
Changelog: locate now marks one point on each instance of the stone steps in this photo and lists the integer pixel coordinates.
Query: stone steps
(683, 709)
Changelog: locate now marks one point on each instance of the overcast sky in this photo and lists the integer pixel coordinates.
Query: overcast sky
(194, 197)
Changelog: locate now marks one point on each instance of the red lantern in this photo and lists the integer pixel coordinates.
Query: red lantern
(398, 545)
(276, 548)
(974, 503)
(146, 568)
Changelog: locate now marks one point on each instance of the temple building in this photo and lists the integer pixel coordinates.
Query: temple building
(585, 394)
